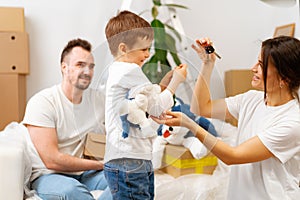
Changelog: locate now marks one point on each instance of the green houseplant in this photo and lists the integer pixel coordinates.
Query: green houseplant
(165, 38)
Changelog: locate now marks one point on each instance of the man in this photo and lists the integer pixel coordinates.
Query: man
(58, 119)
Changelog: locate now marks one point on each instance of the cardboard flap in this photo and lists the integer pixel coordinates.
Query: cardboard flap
(97, 138)
(95, 145)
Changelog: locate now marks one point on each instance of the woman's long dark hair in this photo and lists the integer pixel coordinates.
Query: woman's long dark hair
(284, 53)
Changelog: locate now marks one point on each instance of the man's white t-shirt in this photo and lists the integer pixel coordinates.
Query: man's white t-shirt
(278, 128)
(123, 78)
(50, 108)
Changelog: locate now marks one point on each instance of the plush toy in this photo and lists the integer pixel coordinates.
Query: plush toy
(181, 136)
(138, 107)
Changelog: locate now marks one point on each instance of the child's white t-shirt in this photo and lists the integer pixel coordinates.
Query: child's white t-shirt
(122, 78)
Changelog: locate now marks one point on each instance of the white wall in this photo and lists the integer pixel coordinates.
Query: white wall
(235, 26)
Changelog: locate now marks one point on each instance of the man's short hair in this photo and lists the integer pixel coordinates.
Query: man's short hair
(75, 43)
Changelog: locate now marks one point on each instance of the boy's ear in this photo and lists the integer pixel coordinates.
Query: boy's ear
(122, 48)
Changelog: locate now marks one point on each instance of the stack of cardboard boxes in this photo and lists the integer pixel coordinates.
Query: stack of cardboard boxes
(14, 64)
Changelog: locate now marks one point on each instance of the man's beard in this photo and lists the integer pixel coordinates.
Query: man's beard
(83, 86)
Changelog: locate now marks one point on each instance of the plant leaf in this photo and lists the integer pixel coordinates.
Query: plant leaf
(171, 43)
(175, 58)
(156, 2)
(176, 33)
(161, 54)
(157, 23)
(159, 34)
(154, 12)
(174, 5)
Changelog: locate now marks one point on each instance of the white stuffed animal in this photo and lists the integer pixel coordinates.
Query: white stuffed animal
(137, 109)
(142, 101)
(176, 136)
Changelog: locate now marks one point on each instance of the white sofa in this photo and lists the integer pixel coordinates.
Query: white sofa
(13, 162)
(15, 167)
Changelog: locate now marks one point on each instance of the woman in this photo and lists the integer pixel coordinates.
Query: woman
(266, 158)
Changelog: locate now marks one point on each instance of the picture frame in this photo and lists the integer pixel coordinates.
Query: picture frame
(286, 30)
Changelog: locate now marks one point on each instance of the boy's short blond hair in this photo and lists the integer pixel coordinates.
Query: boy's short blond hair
(125, 28)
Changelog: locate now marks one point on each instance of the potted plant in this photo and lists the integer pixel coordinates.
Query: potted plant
(164, 44)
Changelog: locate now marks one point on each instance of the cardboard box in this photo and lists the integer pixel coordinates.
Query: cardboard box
(178, 160)
(14, 52)
(95, 146)
(13, 98)
(12, 19)
(237, 81)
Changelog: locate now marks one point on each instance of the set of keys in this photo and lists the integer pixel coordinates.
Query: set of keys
(210, 49)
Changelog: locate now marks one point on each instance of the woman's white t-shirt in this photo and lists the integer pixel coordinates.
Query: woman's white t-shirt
(278, 128)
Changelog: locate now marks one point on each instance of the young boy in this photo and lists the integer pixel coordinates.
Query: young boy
(128, 166)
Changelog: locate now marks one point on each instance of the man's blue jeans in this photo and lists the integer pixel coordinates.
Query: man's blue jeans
(130, 179)
(71, 187)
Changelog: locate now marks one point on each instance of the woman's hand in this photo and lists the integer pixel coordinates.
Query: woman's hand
(175, 119)
(199, 47)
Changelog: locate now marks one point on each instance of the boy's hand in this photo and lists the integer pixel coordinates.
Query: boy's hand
(179, 76)
(180, 73)
(166, 80)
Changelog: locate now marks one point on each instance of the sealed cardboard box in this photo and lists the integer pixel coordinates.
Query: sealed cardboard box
(237, 81)
(178, 160)
(13, 98)
(14, 52)
(12, 19)
(95, 146)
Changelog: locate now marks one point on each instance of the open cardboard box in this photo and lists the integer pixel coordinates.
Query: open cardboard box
(178, 160)
(95, 146)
